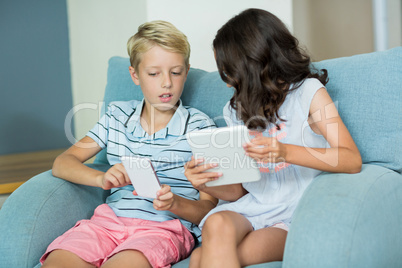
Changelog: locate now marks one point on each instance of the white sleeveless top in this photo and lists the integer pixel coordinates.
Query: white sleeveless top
(275, 196)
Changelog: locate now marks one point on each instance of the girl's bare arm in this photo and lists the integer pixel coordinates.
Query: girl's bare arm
(342, 156)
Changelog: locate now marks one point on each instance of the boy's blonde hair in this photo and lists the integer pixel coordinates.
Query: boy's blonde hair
(161, 33)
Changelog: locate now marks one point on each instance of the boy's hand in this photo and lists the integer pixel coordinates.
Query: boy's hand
(164, 198)
(196, 175)
(116, 176)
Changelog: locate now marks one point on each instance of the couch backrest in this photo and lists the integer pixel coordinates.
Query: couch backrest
(366, 88)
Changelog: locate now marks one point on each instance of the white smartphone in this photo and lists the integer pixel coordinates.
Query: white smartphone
(142, 175)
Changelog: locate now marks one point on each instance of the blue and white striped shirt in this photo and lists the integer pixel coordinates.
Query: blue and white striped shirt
(120, 132)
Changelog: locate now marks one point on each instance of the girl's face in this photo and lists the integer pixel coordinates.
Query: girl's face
(161, 75)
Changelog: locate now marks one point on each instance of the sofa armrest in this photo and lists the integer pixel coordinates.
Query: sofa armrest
(348, 220)
(40, 210)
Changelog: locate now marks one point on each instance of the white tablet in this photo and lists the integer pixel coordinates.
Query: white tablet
(224, 147)
(142, 175)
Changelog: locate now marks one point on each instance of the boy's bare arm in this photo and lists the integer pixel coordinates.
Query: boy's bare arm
(69, 165)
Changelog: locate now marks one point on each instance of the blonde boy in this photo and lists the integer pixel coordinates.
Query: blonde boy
(130, 230)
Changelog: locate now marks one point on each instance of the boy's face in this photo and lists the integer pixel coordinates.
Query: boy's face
(161, 75)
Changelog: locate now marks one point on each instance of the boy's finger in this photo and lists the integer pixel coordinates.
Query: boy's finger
(165, 196)
(164, 189)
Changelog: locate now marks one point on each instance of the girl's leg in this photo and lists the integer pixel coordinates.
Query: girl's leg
(263, 245)
(127, 259)
(221, 235)
(65, 259)
(195, 258)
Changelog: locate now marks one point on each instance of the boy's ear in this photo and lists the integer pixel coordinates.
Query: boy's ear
(188, 69)
(134, 75)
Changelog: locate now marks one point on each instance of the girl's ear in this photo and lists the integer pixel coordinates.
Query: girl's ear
(134, 75)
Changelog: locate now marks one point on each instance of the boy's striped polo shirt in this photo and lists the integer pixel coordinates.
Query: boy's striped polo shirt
(120, 132)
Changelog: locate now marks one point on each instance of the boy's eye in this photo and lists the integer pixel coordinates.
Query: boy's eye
(151, 74)
(176, 73)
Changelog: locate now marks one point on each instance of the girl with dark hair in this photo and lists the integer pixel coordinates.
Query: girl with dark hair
(298, 134)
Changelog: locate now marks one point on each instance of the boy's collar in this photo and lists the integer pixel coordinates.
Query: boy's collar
(177, 125)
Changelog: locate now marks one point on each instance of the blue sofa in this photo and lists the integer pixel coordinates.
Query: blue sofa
(343, 220)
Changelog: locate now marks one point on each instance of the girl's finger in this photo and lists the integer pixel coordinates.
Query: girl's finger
(193, 162)
(258, 150)
(202, 182)
(208, 175)
(258, 157)
(202, 168)
(261, 140)
(211, 176)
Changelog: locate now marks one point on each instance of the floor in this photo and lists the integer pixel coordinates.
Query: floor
(18, 168)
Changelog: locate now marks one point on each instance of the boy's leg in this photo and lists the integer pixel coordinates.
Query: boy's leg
(89, 240)
(156, 244)
(127, 259)
(263, 245)
(65, 259)
(221, 235)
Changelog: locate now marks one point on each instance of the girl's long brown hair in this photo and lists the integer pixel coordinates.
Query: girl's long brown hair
(261, 59)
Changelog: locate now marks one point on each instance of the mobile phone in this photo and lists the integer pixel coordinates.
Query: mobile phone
(142, 175)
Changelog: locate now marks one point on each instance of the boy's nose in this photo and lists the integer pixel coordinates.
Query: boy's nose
(167, 82)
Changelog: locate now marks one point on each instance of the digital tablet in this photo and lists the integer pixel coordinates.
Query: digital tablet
(142, 175)
(224, 147)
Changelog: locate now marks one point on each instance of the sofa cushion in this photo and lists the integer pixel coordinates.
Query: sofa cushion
(367, 90)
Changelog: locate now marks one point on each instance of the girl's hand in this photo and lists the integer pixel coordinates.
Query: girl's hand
(164, 198)
(116, 176)
(196, 175)
(264, 149)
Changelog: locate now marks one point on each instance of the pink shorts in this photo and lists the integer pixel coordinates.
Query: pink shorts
(98, 239)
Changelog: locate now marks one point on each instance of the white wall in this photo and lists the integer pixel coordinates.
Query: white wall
(99, 29)
(200, 20)
(394, 23)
